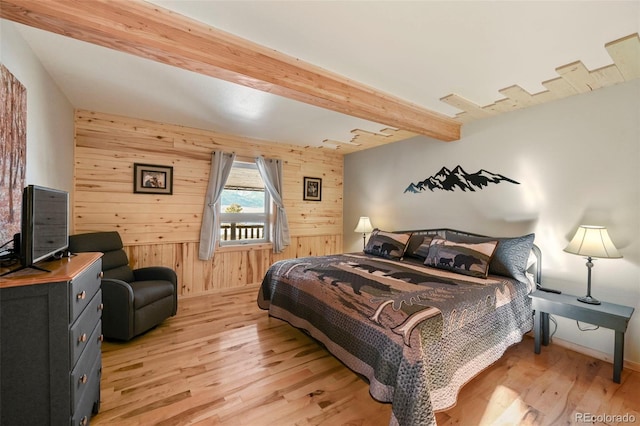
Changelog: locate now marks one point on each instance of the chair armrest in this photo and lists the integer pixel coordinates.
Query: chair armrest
(156, 273)
(117, 316)
(160, 273)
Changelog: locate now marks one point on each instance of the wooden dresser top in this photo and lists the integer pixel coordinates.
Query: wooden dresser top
(61, 270)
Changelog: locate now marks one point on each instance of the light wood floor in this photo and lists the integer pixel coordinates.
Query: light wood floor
(222, 360)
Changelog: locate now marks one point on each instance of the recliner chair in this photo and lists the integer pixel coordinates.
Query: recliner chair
(135, 300)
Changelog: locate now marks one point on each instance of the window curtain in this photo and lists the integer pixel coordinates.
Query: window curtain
(271, 173)
(221, 164)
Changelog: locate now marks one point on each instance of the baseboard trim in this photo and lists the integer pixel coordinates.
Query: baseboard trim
(248, 287)
(594, 353)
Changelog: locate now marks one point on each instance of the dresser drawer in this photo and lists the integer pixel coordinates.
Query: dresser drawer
(89, 402)
(83, 327)
(82, 289)
(82, 376)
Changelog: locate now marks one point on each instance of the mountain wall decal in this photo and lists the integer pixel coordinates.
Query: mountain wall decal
(450, 180)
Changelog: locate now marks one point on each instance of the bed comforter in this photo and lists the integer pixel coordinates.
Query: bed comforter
(417, 333)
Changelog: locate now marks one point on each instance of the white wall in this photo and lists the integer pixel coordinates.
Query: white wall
(577, 161)
(50, 121)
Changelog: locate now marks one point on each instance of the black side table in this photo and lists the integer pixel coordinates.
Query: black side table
(607, 315)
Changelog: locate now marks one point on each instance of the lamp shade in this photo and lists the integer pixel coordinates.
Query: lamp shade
(364, 225)
(592, 241)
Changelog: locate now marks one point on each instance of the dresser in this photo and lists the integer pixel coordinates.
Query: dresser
(50, 341)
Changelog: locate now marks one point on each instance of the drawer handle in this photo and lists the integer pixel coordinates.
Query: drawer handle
(81, 295)
(83, 379)
(101, 338)
(84, 421)
(100, 274)
(101, 307)
(82, 338)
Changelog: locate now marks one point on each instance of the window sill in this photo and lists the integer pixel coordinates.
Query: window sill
(244, 247)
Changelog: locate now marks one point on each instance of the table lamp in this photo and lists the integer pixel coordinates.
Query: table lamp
(592, 241)
(364, 226)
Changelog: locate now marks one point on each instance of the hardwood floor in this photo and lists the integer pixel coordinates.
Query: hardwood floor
(222, 360)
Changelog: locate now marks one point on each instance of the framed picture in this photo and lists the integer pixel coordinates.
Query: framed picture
(150, 179)
(312, 190)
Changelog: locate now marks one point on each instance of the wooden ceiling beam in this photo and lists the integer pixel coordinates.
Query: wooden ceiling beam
(155, 33)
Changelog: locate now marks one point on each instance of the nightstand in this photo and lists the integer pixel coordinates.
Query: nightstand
(607, 315)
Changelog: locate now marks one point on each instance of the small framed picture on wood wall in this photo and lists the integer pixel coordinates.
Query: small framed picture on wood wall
(312, 189)
(150, 179)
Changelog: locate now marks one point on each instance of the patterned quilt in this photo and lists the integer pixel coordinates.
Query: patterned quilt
(417, 333)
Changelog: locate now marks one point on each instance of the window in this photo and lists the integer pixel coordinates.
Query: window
(244, 206)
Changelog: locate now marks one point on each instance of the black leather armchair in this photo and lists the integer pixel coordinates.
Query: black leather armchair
(135, 300)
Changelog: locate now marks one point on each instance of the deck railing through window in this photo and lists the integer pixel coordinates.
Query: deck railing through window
(240, 231)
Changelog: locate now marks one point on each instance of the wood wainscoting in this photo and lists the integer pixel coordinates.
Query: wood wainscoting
(231, 267)
(165, 229)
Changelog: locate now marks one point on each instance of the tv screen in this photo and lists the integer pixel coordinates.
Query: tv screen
(45, 223)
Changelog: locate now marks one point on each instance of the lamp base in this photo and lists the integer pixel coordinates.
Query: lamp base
(588, 299)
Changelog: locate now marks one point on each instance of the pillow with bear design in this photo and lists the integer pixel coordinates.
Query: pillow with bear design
(463, 258)
(511, 258)
(390, 245)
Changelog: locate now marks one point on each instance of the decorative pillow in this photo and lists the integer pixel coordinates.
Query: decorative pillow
(418, 246)
(511, 258)
(387, 244)
(464, 258)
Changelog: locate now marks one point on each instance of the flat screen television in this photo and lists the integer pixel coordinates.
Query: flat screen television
(45, 224)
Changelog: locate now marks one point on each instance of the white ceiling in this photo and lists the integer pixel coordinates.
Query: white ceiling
(420, 51)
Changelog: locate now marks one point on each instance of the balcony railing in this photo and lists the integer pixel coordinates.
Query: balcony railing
(241, 231)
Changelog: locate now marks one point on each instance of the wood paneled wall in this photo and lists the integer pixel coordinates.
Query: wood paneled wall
(165, 229)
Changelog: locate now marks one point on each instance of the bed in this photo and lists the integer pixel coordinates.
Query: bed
(418, 313)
